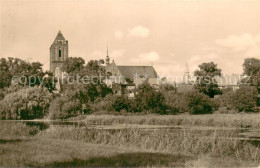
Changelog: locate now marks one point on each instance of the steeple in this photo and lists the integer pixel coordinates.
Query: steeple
(107, 58)
(186, 77)
(59, 38)
(187, 68)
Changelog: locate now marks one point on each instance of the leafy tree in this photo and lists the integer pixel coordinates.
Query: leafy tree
(11, 67)
(120, 103)
(103, 90)
(245, 99)
(205, 79)
(148, 99)
(49, 81)
(74, 65)
(5, 74)
(165, 88)
(175, 102)
(26, 103)
(252, 68)
(63, 107)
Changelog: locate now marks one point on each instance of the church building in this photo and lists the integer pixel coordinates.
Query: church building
(124, 78)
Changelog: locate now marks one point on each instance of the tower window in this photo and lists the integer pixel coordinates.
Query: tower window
(59, 52)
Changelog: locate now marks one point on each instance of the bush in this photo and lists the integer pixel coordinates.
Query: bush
(62, 107)
(26, 103)
(148, 99)
(120, 104)
(193, 102)
(175, 102)
(104, 104)
(198, 103)
(245, 99)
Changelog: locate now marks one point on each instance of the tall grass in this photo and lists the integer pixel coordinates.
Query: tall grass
(216, 120)
(216, 144)
(11, 130)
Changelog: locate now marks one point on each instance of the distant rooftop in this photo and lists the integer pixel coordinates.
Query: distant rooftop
(130, 71)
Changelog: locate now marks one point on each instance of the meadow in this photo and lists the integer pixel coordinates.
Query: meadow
(130, 141)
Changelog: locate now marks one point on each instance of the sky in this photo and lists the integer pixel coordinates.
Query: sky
(165, 34)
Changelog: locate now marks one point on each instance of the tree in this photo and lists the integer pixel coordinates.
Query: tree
(165, 88)
(26, 103)
(205, 79)
(198, 103)
(85, 92)
(245, 99)
(148, 99)
(74, 65)
(121, 103)
(49, 81)
(32, 73)
(251, 68)
(5, 74)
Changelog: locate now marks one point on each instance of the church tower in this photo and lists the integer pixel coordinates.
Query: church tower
(58, 54)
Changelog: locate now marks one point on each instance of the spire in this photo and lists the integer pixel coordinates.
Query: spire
(107, 50)
(59, 37)
(107, 58)
(186, 77)
(187, 68)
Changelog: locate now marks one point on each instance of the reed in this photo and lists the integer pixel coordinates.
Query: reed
(217, 144)
(11, 130)
(215, 120)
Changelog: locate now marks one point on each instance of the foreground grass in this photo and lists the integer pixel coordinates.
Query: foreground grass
(82, 147)
(39, 152)
(216, 144)
(215, 120)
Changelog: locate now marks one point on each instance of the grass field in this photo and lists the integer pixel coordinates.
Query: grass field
(67, 146)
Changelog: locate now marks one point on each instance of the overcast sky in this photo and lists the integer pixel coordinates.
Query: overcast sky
(160, 33)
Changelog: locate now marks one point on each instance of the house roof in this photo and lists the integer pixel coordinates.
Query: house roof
(131, 72)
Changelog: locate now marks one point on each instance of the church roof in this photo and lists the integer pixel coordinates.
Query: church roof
(59, 36)
(132, 71)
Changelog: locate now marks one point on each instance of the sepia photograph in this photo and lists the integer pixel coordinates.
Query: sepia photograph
(130, 83)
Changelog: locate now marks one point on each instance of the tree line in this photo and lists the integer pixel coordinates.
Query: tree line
(21, 101)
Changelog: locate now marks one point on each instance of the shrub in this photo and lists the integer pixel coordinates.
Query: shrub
(245, 98)
(104, 104)
(62, 107)
(198, 103)
(120, 103)
(193, 102)
(148, 99)
(26, 103)
(175, 102)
